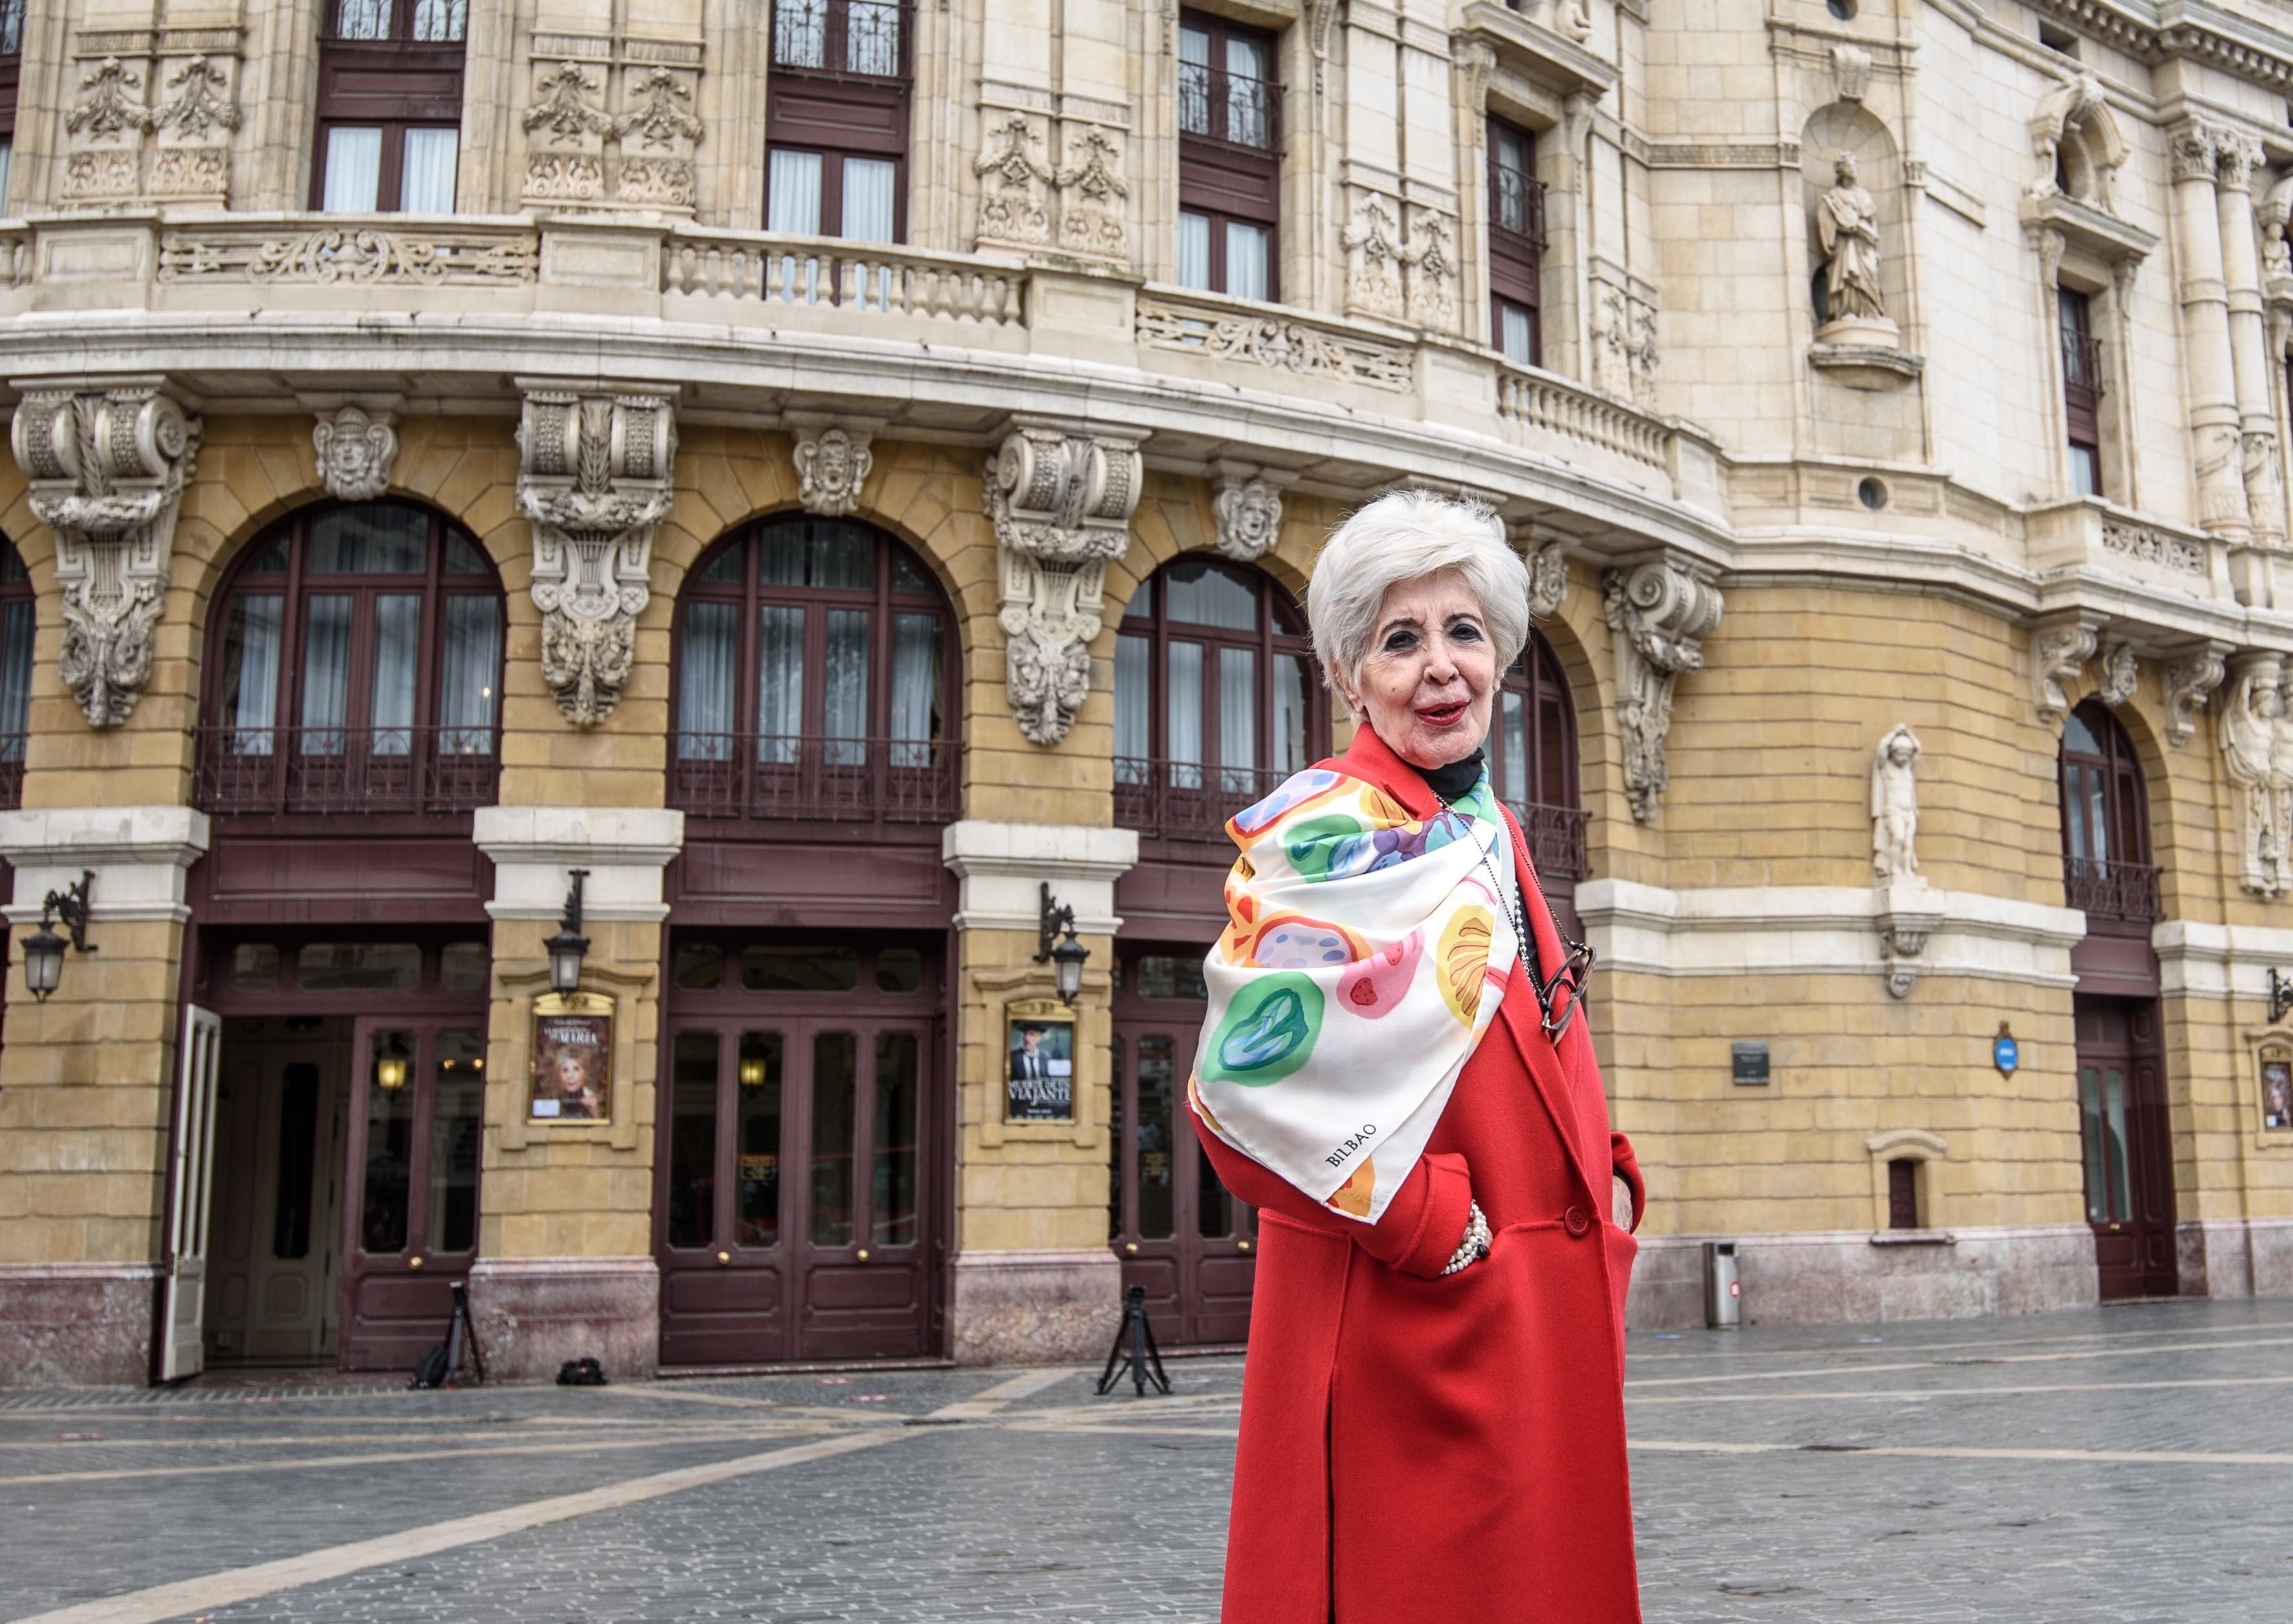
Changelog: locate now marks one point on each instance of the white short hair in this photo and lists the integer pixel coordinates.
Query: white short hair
(1406, 536)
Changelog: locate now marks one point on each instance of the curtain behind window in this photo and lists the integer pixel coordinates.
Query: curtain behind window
(1237, 671)
(250, 674)
(795, 186)
(353, 169)
(915, 689)
(1183, 716)
(711, 656)
(844, 688)
(468, 662)
(15, 678)
(427, 186)
(870, 193)
(326, 673)
(397, 654)
(780, 683)
(1131, 702)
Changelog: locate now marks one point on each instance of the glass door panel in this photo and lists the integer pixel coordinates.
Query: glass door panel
(385, 1179)
(692, 1217)
(456, 1120)
(1153, 1139)
(892, 1179)
(835, 1124)
(758, 1115)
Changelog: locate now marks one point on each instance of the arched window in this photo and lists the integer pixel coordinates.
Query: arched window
(815, 667)
(18, 622)
(354, 667)
(2106, 868)
(1533, 763)
(1215, 700)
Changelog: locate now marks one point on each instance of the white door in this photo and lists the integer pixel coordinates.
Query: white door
(187, 1217)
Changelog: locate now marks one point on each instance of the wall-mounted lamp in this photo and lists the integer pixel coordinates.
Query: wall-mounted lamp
(2280, 996)
(390, 1073)
(568, 946)
(753, 1071)
(1066, 956)
(44, 950)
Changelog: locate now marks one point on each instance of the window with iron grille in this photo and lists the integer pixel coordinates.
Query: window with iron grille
(2106, 868)
(1531, 747)
(816, 676)
(11, 67)
(837, 120)
(1229, 158)
(1516, 243)
(2081, 391)
(355, 665)
(390, 107)
(1215, 698)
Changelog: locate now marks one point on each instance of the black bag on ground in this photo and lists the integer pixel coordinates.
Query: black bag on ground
(431, 1372)
(580, 1373)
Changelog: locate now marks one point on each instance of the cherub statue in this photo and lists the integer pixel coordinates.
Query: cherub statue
(1894, 808)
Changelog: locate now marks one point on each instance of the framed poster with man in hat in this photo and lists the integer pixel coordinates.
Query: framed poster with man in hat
(1039, 1073)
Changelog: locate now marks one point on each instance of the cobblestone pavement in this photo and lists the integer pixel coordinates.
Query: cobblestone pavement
(2106, 1468)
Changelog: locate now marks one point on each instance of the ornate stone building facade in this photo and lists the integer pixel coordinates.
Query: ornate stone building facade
(829, 484)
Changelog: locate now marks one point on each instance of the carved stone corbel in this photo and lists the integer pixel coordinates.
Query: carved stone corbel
(1247, 503)
(356, 451)
(1661, 611)
(1548, 579)
(1061, 503)
(2057, 655)
(106, 463)
(1908, 914)
(593, 481)
(2191, 680)
(832, 461)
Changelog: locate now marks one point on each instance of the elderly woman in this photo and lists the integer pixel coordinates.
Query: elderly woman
(1393, 1071)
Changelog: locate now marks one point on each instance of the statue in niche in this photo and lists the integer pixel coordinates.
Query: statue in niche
(1847, 223)
(1895, 810)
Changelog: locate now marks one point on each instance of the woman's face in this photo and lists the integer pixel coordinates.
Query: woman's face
(1425, 685)
(572, 1072)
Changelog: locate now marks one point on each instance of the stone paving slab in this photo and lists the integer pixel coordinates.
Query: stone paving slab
(1892, 1474)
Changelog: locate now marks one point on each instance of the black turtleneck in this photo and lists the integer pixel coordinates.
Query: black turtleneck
(1453, 780)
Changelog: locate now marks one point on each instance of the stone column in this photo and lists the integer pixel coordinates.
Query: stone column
(565, 1265)
(88, 1075)
(2214, 430)
(2248, 336)
(1032, 1278)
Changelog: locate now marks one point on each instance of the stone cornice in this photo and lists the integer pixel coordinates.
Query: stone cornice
(2155, 32)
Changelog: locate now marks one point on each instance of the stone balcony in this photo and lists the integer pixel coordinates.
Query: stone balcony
(744, 319)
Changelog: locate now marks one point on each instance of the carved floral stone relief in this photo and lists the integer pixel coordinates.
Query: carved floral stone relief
(1061, 503)
(593, 481)
(1662, 611)
(1013, 211)
(581, 153)
(107, 466)
(174, 144)
(2057, 655)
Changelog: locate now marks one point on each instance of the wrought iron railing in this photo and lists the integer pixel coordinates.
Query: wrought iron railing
(2082, 366)
(1179, 800)
(840, 39)
(2103, 889)
(344, 771)
(1557, 840)
(813, 780)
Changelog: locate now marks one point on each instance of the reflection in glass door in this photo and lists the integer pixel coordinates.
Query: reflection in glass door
(2124, 1138)
(412, 1226)
(1179, 1233)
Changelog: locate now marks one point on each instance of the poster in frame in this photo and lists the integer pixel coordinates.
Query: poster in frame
(2277, 1092)
(572, 1079)
(1038, 1061)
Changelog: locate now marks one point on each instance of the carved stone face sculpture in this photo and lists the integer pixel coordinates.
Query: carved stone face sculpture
(1901, 750)
(1842, 169)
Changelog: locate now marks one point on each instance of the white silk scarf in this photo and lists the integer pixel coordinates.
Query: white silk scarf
(1366, 954)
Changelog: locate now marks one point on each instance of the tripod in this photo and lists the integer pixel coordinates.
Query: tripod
(441, 1366)
(1134, 1350)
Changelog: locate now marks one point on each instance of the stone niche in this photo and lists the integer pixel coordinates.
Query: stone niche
(1873, 411)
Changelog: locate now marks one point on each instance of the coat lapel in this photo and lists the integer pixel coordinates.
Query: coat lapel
(1369, 758)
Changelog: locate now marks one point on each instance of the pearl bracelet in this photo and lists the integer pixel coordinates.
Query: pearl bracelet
(1475, 1246)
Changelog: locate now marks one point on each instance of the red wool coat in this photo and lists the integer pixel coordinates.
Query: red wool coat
(1426, 1450)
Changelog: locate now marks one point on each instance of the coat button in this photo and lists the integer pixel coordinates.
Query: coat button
(1576, 1220)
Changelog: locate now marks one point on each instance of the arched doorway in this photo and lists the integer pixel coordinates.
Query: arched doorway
(814, 754)
(2125, 1132)
(1215, 703)
(349, 727)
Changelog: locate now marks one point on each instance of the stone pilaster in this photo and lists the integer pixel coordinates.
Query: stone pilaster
(2264, 485)
(2214, 425)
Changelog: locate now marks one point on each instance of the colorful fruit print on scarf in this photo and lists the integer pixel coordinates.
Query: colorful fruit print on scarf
(1366, 952)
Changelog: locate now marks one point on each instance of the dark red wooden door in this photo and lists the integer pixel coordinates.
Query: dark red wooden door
(410, 1227)
(794, 1204)
(1178, 1232)
(2127, 1143)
